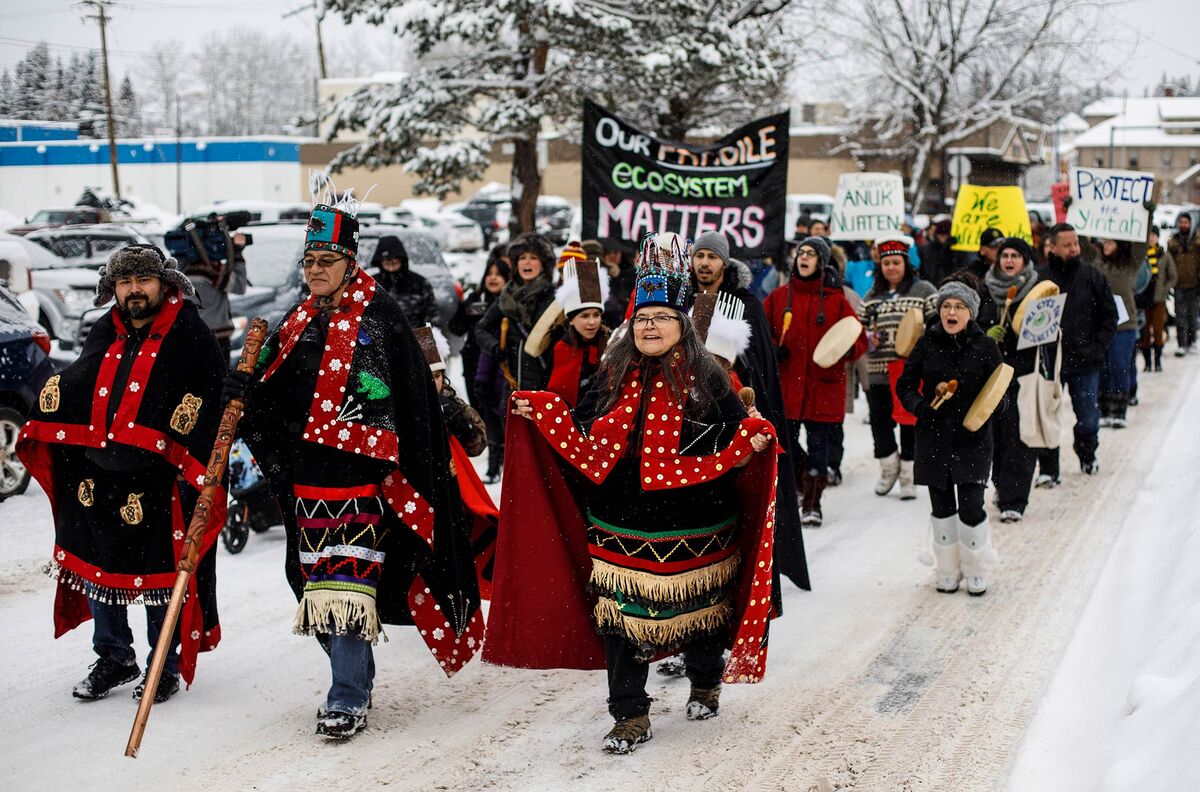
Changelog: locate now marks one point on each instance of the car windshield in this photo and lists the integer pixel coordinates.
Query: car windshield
(271, 259)
(50, 216)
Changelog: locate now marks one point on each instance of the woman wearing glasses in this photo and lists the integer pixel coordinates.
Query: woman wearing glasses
(951, 460)
(645, 525)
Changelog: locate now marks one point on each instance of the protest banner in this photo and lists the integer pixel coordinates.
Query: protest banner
(1110, 204)
(979, 208)
(1043, 321)
(634, 184)
(867, 206)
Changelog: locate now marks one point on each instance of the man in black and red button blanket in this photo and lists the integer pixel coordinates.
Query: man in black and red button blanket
(119, 440)
(346, 425)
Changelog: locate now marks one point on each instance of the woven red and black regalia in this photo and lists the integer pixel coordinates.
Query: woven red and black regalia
(346, 425)
(637, 523)
(120, 441)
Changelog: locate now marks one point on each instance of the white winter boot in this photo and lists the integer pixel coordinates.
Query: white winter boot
(908, 490)
(889, 471)
(945, 553)
(978, 555)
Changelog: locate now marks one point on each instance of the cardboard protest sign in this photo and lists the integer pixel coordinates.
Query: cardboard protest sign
(635, 184)
(1109, 203)
(1043, 321)
(867, 206)
(979, 208)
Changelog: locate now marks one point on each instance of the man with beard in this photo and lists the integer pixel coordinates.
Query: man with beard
(1089, 323)
(714, 271)
(120, 441)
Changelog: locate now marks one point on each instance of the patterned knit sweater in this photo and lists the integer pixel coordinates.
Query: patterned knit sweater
(881, 313)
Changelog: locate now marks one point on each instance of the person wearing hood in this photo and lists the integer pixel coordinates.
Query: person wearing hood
(952, 461)
(1089, 323)
(1013, 462)
(577, 354)
(1118, 377)
(503, 330)
(396, 277)
(1184, 246)
(714, 270)
(814, 398)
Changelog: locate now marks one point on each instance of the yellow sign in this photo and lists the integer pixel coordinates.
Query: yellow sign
(979, 208)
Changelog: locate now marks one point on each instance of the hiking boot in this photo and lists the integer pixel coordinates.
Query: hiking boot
(672, 667)
(105, 675)
(703, 703)
(1046, 481)
(168, 685)
(812, 518)
(1011, 516)
(339, 725)
(1117, 422)
(1090, 468)
(627, 734)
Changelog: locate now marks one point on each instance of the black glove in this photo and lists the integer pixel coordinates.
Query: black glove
(1067, 201)
(237, 386)
(782, 353)
(925, 411)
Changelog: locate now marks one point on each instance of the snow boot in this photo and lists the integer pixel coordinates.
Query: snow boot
(1046, 481)
(1119, 403)
(908, 489)
(945, 553)
(168, 685)
(889, 471)
(1158, 357)
(1104, 401)
(1147, 364)
(339, 725)
(835, 477)
(810, 509)
(627, 734)
(672, 667)
(978, 555)
(1011, 516)
(703, 703)
(104, 675)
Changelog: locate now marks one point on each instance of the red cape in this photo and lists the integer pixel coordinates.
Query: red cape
(541, 613)
(481, 513)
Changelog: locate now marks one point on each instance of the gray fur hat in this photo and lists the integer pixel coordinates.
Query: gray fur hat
(959, 291)
(140, 260)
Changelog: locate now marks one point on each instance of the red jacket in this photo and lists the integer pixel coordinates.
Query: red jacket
(810, 393)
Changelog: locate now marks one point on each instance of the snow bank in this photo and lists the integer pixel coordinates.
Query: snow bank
(1121, 711)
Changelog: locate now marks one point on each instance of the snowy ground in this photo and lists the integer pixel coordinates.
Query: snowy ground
(1076, 671)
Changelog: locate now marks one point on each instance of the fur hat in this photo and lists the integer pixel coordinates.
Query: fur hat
(584, 285)
(721, 324)
(434, 345)
(959, 291)
(140, 260)
(664, 272)
(536, 244)
(824, 252)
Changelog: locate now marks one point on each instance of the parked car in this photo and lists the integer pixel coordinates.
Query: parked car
(59, 292)
(87, 246)
(24, 367)
(453, 231)
(260, 211)
(552, 218)
(71, 215)
(818, 206)
(491, 210)
(18, 257)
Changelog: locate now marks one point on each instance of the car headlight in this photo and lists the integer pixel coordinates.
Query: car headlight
(76, 300)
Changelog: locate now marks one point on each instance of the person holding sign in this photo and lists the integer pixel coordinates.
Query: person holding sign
(1008, 282)
(1089, 323)
(946, 370)
(1117, 377)
(896, 290)
(814, 397)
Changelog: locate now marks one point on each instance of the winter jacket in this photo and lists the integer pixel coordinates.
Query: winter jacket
(1186, 253)
(881, 313)
(502, 335)
(414, 294)
(1121, 276)
(937, 260)
(946, 451)
(468, 314)
(1162, 269)
(1089, 319)
(810, 393)
(463, 422)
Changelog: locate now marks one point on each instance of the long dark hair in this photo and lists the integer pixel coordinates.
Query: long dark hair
(696, 373)
(573, 338)
(879, 284)
(495, 259)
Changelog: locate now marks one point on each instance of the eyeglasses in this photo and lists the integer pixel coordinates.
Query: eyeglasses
(806, 253)
(954, 306)
(652, 321)
(324, 263)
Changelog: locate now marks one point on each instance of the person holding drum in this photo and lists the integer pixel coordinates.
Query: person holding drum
(801, 314)
(896, 293)
(950, 366)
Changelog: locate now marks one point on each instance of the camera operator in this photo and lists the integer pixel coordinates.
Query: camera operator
(210, 254)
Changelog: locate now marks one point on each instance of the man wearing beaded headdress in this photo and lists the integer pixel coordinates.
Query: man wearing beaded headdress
(345, 422)
(643, 518)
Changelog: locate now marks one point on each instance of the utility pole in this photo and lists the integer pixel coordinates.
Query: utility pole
(102, 18)
(318, 8)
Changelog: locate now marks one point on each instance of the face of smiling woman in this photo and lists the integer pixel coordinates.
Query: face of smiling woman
(656, 330)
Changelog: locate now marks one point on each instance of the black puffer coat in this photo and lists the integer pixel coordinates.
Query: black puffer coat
(947, 453)
(410, 290)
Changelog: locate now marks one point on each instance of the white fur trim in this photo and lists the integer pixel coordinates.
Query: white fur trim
(443, 348)
(729, 332)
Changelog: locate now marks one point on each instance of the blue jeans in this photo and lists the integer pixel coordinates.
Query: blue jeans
(1117, 376)
(353, 665)
(112, 638)
(1085, 401)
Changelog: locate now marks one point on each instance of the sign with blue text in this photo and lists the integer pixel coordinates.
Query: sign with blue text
(1110, 204)
(1042, 322)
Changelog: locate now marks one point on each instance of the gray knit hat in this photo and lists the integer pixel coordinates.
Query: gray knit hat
(714, 241)
(959, 291)
(140, 260)
(819, 244)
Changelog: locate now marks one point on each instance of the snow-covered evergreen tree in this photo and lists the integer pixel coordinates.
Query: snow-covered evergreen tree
(5, 95)
(128, 110)
(87, 95)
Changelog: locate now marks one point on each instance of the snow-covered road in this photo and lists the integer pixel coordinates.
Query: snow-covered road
(875, 681)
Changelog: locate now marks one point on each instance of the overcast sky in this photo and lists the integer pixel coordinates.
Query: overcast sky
(1156, 35)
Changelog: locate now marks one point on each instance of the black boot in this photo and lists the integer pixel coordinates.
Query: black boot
(1158, 357)
(1119, 401)
(105, 675)
(1146, 365)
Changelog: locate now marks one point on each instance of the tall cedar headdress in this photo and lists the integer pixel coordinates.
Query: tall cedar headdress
(434, 345)
(584, 285)
(663, 272)
(721, 324)
(333, 224)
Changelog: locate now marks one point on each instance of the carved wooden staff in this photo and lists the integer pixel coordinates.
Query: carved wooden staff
(195, 536)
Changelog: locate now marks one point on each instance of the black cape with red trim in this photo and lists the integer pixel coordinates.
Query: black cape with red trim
(375, 399)
(171, 408)
(541, 613)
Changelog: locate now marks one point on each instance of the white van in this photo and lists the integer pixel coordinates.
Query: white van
(818, 205)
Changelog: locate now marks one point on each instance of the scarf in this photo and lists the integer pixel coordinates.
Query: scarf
(520, 300)
(998, 283)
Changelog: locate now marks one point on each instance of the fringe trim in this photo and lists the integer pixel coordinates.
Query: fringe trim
(105, 594)
(338, 613)
(665, 589)
(662, 632)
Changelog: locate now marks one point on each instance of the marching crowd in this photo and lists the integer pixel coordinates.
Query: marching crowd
(662, 431)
